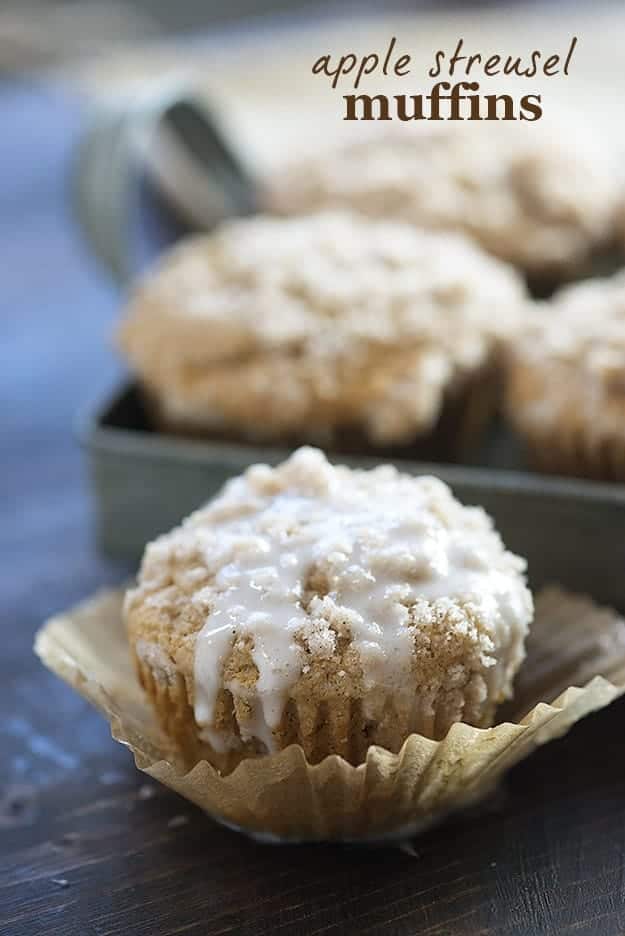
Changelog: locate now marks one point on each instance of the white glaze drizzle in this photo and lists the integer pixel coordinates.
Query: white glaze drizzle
(382, 540)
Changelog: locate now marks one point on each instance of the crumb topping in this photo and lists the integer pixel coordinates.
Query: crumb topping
(583, 323)
(368, 576)
(536, 199)
(324, 322)
(326, 280)
(570, 363)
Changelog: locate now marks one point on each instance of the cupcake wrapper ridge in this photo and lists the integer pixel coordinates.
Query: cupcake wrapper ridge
(576, 661)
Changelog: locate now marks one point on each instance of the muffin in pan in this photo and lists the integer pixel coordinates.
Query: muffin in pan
(565, 390)
(328, 607)
(332, 329)
(543, 199)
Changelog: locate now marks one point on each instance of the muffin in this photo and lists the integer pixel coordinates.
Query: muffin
(542, 200)
(326, 607)
(331, 329)
(565, 390)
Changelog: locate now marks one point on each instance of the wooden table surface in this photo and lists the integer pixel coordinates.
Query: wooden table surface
(89, 846)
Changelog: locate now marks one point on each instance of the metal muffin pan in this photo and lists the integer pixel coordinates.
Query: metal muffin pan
(571, 532)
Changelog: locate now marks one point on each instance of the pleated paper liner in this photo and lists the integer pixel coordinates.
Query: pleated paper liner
(577, 453)
(569, 445)
(575, 665)
(468, 407)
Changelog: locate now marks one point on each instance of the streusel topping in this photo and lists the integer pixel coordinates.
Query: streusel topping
(290, 562)
(568, 369)
(319, 284)
(317, 323)
(584, 323)
(539, 199)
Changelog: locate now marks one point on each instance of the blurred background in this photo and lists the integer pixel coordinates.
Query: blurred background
(64, 62)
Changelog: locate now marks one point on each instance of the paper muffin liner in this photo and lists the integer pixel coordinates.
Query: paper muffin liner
(337, 724)
(575, 665)
(467, 411)
(573, 451)
(567, 443)
(468, 407)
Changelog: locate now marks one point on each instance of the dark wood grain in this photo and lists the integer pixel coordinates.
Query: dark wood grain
(90, 847)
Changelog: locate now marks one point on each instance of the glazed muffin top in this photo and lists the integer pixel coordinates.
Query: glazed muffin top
(335, 581)
(541, 199)
(320, 318)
